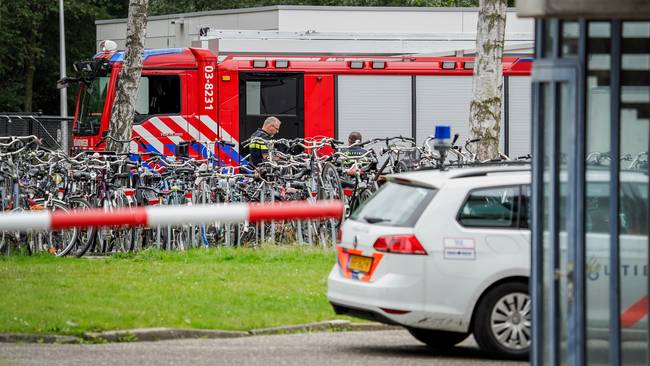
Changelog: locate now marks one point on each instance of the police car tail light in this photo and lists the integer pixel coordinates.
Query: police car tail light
(399, 244)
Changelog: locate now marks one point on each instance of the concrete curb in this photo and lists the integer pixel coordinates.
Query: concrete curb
(372, 327)
(37, 338)
(160, 334)
(304, 328)
(328, 325)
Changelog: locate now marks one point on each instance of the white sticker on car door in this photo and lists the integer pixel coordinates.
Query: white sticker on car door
(459, 248)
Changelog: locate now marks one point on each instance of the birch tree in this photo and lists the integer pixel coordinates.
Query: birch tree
(487, 84)
(129, 78)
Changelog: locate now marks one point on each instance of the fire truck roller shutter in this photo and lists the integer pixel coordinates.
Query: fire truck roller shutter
(519, 89)
(376, 106)
(445, 100)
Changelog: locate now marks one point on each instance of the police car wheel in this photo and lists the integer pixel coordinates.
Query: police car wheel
(437, 339)
(502, 321)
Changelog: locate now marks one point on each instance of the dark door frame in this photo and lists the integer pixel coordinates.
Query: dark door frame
(292, 125)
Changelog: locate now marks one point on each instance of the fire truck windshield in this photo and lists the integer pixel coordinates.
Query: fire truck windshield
(91, 108)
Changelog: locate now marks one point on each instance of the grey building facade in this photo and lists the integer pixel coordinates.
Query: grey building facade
(354, 30)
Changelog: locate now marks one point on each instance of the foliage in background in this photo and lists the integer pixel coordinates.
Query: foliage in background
(29, 48)
(30, 38)
(168, 7)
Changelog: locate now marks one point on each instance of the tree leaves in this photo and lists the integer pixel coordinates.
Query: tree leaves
(30, 34)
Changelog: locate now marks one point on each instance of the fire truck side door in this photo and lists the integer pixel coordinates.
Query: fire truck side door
(271, 94)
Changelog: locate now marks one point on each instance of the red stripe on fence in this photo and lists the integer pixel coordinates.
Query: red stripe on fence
(293, 210)
(98, 217)
(635, 313)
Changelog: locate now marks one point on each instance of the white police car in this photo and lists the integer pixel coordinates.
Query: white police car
(446, 254)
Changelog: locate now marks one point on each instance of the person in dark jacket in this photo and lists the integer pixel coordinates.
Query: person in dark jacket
(353, 150)
(258, 148)
(354, 138)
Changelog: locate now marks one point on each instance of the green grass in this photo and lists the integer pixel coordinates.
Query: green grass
(232, 289)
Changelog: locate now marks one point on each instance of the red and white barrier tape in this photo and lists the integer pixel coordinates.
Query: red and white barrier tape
(170, 215)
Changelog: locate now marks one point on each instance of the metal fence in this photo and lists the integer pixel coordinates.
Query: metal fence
(47, 128)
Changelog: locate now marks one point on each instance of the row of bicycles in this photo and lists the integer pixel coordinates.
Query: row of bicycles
(35, 178)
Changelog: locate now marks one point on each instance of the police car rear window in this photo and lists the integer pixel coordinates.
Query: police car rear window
(395, 204)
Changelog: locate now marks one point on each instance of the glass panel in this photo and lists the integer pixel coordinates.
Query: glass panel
(494, 207)
(142, 100)
(276, 96)
(525, 208)
(597, 192)
(164, 94)
(158, 94)
(548, 38)
(395, 205)
(253, 94)
(633, 208)
(91, 109)
(570, 33)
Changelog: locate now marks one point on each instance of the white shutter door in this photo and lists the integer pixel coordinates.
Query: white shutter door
(519, 120)
(445, 100)
(376, 106)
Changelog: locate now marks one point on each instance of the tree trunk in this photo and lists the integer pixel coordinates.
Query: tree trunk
(485, 108)
(127, 87)
(30, 71)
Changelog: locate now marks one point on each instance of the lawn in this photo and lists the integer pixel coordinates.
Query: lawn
(231, 289)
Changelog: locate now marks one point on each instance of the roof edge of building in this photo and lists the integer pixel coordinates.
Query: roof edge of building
(260, 9)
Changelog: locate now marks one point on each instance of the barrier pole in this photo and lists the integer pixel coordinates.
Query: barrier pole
(169, 215)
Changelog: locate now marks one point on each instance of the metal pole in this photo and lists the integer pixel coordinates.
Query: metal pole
(64, 93)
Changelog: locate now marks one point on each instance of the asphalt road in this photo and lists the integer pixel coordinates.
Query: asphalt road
(393, 347)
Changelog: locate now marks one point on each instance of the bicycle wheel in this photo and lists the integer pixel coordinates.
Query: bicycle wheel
(14, 243)
(86, 236)
(401, 167)
(57, 242)
(331, 183)
(118, 239)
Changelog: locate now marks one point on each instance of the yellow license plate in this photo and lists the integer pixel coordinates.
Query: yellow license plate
(360, 263)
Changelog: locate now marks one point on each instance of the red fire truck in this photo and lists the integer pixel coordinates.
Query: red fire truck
(195, 98)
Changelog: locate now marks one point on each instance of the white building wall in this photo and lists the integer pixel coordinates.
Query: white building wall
(390, 20)
(165, 31)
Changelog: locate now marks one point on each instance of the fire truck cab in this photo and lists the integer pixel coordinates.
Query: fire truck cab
(194, 98)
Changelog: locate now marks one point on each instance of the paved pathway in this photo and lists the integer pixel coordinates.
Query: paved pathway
(395, 347)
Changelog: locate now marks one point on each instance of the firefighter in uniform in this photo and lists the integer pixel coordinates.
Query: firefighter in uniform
(257, 147)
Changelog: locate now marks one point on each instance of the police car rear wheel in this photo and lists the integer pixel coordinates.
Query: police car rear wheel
(437, 339)
(502, 323)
